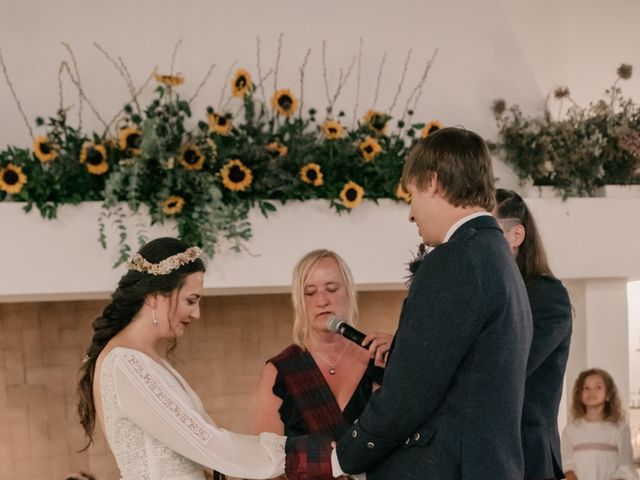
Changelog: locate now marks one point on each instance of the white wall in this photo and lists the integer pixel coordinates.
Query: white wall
(376, 241)
(493, 48)
(634, 343)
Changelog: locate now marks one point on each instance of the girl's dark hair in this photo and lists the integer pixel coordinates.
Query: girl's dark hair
(612, 411)
(531, 257)
(126, 301)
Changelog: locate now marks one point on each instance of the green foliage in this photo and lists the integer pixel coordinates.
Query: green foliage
(164, 165)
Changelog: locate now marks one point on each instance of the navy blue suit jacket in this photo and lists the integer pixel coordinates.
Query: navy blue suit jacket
(451, 403)
(546, 365)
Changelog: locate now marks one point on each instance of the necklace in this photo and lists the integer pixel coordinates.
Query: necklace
(332, 366)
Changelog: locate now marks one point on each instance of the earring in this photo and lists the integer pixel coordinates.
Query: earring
(155, 320)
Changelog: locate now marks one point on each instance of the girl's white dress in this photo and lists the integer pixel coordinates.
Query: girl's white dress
(157, 428)
(598, 450)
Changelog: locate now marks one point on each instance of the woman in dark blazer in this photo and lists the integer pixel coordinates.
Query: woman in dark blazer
(551, 311)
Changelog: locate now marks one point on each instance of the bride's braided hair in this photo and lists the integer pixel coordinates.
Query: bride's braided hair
(126, 301)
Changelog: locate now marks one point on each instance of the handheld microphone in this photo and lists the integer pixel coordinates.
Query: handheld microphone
(339, 326)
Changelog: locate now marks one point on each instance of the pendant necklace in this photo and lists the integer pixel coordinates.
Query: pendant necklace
(332, 366)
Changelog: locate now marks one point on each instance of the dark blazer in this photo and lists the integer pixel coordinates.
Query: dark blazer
(546, 365)
(451, 404)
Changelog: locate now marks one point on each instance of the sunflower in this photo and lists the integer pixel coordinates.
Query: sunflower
(351, 194)
(220, 124)
(377, 121)
(236, 176)
(284, 102)
(12, 179)
(277, 149)
(44, 150)
(95, 157)
(191, 158)
(241, 83)
(130, 138)
(369, 148)
(169, 80)
(332, 129)
(402, 194)
(432, 126)
(172, 205)
(311, 173)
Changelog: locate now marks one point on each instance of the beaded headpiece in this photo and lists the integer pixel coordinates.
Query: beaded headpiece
(168, 265)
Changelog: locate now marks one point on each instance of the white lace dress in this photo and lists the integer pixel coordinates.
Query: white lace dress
(157, 428)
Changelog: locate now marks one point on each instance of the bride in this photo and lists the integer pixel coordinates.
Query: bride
(153, 421)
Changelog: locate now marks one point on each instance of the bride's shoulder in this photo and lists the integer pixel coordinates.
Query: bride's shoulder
(119, 355)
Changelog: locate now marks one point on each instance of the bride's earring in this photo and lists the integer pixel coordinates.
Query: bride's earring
(155, 320)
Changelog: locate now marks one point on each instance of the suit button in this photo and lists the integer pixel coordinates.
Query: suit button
(370, 445)
(416, 437)
(354, 434)
(406, 442)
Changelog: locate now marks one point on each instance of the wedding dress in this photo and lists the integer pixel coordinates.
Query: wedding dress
(157, 428)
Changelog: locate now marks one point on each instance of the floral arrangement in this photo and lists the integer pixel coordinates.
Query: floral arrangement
(578, 150)
(207, 173)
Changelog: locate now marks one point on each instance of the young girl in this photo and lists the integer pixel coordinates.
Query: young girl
(597, 444)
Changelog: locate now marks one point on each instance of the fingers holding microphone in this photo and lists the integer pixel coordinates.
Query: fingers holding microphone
(378, 344)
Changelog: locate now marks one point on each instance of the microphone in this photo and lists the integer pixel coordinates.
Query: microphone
(339, 326)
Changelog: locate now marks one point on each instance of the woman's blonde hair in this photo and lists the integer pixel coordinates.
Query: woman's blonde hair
(612, 408)
(301, 272)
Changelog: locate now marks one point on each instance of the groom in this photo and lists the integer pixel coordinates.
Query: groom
(451, 401)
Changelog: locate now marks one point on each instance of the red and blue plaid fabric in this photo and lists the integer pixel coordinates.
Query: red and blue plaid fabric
(309, 456)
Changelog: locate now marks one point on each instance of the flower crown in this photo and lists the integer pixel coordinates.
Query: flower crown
(168, 265)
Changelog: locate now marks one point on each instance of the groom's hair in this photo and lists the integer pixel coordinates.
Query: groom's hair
(460, 162)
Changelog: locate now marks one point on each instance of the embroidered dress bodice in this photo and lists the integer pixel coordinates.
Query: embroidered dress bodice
(158, 429)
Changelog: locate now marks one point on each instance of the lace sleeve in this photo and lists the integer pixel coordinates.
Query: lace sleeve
(146, 399)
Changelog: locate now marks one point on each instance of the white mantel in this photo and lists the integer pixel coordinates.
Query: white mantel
(61, 259)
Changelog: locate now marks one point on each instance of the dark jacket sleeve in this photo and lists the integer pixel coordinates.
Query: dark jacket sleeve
(551, 309)
(442, 317)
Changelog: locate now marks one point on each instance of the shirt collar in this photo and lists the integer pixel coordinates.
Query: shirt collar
(462, 221)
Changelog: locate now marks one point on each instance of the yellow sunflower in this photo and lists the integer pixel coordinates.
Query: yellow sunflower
(351, 194)
(169, 80)
(402, 194)
(311, 173)
(220, 124)
(332, 129)
(12, 179)
(369, 148)
(277, 149)
(432, 126)
(172, 205)
(236, 176)
(191, 158)
(241, 83)
(129, 139)
(284, 102)
(376, 121)
(95, 157)
(44, 150)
